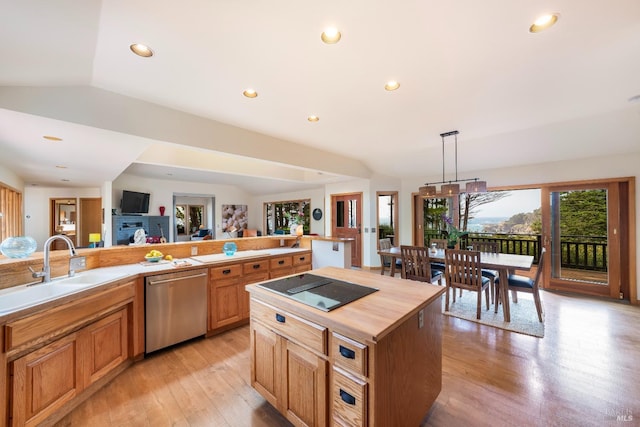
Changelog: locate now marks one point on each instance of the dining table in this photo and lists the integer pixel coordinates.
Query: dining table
(504, 264)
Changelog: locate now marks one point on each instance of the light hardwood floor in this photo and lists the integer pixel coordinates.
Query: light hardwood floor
(584, 372)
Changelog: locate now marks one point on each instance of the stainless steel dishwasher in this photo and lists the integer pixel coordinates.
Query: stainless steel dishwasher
(175, 308)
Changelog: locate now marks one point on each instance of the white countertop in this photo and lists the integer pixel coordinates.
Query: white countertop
(25, 296)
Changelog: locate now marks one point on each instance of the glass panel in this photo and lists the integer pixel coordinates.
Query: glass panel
(387, 217)
(579, 236)
(280, 216)
(433, 209)
(339, 213)
(353, 205)
(195, 217)
(180, 219)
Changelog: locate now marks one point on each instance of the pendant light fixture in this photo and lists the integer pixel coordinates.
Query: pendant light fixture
(452, 188)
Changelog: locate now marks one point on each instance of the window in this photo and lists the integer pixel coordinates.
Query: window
(10, 213)
(280, 215)
(189, 218)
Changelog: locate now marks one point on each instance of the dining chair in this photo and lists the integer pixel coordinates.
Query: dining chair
(416, 265)
(385, 261)
(519, 283)
(462, 271)
(492, 248)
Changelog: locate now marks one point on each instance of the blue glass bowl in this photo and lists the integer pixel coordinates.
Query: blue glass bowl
(18, 247)
(229, 248)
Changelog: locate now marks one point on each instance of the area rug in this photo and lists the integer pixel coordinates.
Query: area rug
(524, 317)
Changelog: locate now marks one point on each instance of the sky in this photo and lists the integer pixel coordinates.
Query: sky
(517, 202)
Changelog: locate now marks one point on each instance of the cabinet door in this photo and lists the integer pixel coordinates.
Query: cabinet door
(305, 393)
(265, 362)
(105, 346)
(225, 302)
(44, 380)
(245, 296)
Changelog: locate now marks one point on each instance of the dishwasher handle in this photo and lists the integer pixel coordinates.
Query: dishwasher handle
(175, 279)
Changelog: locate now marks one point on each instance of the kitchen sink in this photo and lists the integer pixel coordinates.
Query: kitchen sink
(23, 296)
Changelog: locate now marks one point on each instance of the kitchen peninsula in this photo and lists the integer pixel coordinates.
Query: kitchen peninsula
(376, 361)
(64, 340)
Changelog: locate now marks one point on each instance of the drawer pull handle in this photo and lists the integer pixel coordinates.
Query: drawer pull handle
(256, 266)
(281, 262)
(347, 398)
(226, 271)
(301, 258)
(280, 318)
(348, 353)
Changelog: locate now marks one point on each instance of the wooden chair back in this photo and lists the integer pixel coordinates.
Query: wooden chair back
(385, 244)
(440, 243)
(416, 264)
(489, 247)
(462, 269)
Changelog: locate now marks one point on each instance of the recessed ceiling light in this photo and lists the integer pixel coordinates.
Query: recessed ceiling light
(250, 93)
(544, 22)
(391, 85)
(141, 50)
(64, 180)
(331, 35)
(52, 138)
(313, 119)
(61, 167)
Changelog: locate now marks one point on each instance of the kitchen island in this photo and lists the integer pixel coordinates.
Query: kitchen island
(376, 361)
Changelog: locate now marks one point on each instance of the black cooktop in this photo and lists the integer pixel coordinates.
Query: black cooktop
(319, 292)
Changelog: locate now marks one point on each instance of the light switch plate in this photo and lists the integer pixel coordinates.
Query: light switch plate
(194, 250)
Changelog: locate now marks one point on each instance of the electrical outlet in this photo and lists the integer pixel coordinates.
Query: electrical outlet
(421, 319)
(194, 250)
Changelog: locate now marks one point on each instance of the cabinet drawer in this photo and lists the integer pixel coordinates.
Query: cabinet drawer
(280, 262)
(256, 267)
(349, 398)
(226, 272)
(297, 329)
(349, 354)
(301, 259)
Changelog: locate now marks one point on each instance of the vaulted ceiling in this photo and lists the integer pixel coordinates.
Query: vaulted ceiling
(516, 97)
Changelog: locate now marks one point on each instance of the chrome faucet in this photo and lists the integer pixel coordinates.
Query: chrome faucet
(46, 267)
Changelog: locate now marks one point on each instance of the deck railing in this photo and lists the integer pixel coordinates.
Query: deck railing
(579, 252)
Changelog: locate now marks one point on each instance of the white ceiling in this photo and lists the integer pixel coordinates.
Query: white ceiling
(515, 97)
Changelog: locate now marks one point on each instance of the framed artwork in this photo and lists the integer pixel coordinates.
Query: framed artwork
(234, 216)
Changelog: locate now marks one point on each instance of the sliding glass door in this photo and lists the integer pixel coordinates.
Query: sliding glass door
(581, 233)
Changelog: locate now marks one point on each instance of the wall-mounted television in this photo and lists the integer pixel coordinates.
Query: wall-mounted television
(134, 203)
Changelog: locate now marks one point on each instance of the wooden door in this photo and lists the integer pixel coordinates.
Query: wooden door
(346, 222)
(90, 219)
(306, 386)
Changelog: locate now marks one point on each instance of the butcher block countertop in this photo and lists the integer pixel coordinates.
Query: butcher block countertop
(370, 317)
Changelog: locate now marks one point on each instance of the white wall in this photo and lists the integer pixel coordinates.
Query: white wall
(10, 179)
(162, 192)
(37, 209)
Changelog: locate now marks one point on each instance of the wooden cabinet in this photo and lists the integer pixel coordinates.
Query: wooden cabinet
(374, 362)
(85, 341)
(280, 266)
(226, 289)
(44, 380)
(228, 299)
(105, 346)
(289, 364)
